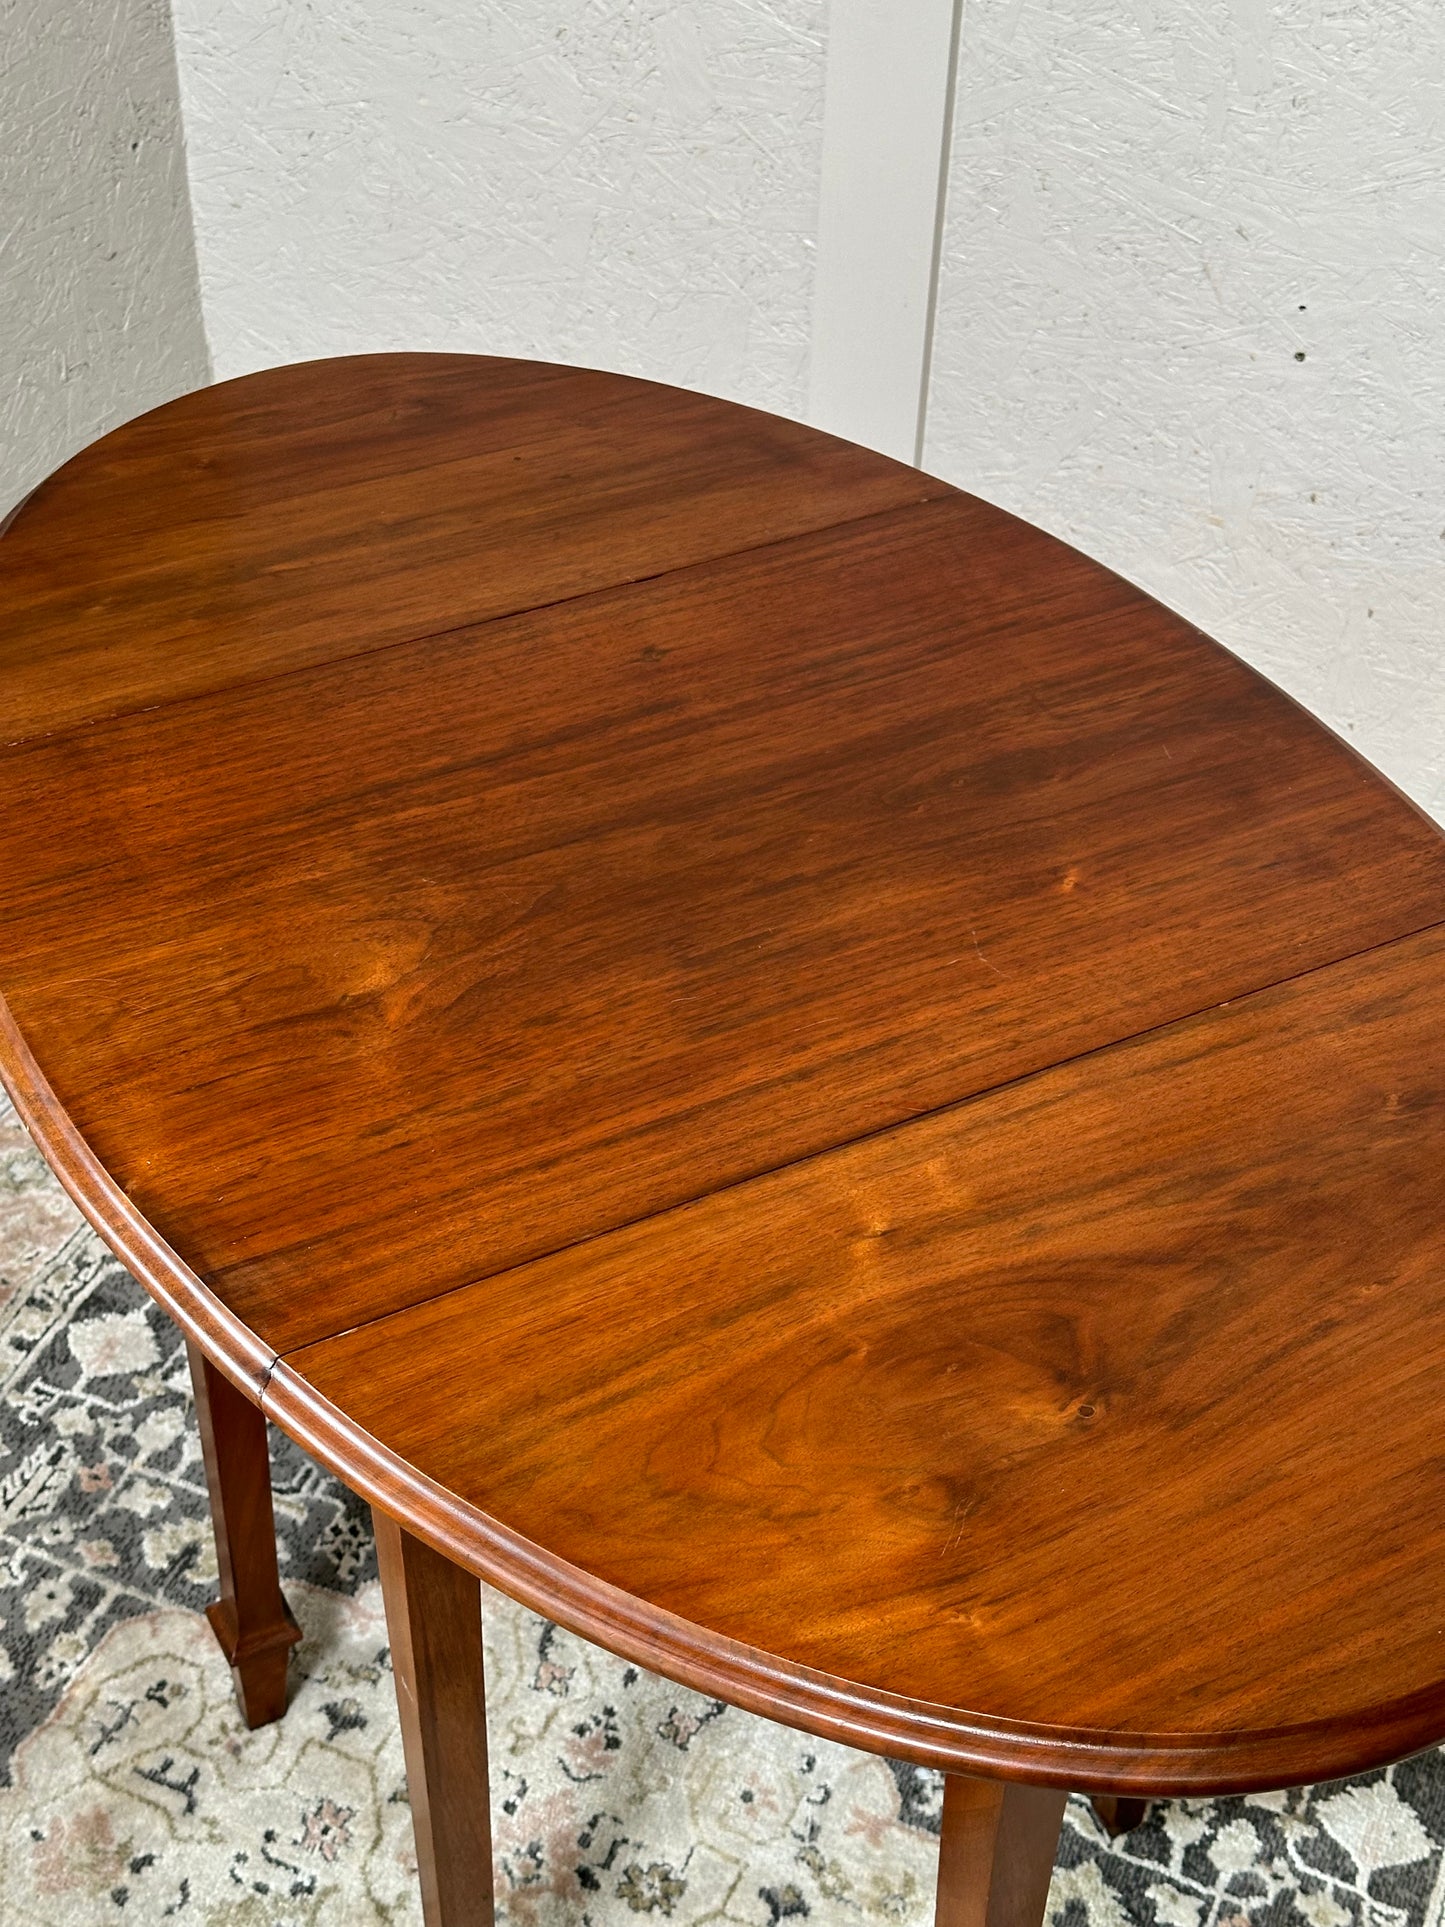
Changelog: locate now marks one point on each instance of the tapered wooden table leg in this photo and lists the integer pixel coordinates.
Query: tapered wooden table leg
(997, 1852)
(434, 1619)
(251, 1619)
(1118, 1814)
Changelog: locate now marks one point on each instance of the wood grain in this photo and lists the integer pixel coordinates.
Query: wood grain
(319, 511)
(1022, 1410)
(996, 1852)
(396, 972)
(228, 1343)
(434, 1621)
(453, 813)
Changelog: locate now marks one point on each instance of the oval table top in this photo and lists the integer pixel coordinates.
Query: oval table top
(761, 1052)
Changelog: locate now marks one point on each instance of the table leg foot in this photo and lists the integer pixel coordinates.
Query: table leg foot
(1117, 1814)
(997, 1852)
(434, 1620)
(251, 1619)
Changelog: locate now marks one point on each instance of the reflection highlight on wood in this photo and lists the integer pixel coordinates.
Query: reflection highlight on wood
(518, 933)
(332, 508)
(757, 1050)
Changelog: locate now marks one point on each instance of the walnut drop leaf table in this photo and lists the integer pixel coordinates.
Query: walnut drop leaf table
(760, 1054)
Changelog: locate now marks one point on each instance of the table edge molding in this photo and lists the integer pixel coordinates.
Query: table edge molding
(1156, 1765)
(226, 1340)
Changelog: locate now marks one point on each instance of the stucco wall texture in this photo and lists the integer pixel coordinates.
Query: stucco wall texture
(1190, 290)
(1190, 311)
(100, 312)
(631, 186)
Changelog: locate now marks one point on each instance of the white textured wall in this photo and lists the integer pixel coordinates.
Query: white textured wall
(99, 305)
(885, 143)
(632, 185)
(1156, 208)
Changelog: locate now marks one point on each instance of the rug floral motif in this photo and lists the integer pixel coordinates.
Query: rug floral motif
(133, 1794)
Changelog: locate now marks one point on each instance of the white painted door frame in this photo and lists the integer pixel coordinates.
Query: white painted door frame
(887, 120)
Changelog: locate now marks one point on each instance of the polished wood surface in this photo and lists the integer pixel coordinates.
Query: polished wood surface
(251, 1620)
(401, 970)
(434, 1621)
(753, 1049)
(320, 511)
(996, 1852)
(965, 1413)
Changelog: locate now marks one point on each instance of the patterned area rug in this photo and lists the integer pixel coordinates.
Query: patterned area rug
(133, 1794)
